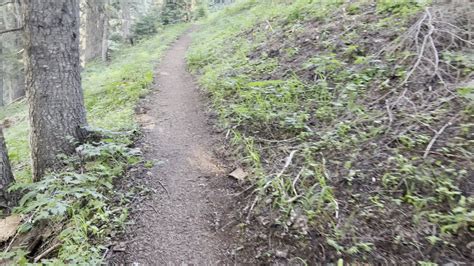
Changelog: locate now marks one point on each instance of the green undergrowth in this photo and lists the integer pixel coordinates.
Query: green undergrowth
(344, 152)
(111, 93)
(78, 208)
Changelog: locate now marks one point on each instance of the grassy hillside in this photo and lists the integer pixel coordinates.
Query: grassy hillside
(77, 211)
(356, 121)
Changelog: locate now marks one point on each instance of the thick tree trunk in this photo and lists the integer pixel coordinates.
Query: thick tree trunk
(53, 80)
(6, 176)
(95, 12)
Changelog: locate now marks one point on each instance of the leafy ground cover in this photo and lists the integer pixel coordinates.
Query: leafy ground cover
(76, 212)
(355, 119)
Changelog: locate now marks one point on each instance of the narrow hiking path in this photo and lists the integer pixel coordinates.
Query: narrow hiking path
(178, 225)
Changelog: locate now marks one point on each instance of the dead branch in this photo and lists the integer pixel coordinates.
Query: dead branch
(163, 186)
(287, 163)
(247, 220)
(293, 185)
(46, 252)
(427, 38)
(11, 30)
(436, 136)
(438, 33)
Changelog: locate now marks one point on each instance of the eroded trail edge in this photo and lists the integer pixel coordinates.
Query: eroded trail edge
(178, 225)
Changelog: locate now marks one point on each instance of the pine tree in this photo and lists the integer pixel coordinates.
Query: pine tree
(54, 93)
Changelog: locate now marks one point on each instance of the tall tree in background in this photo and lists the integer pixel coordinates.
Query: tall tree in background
(105, 35)
(96, 25)
(125, 7)
(14, 78)
(2, 60)
(54, 93)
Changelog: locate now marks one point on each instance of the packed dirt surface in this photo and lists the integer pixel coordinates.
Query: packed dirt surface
(179, 222)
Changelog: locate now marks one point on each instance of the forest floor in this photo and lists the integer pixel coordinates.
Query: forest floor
(179, 221)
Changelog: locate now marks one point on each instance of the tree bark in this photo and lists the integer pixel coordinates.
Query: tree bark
(1, 76)
(53, 80)
(105, 37)
(95, 19)
(17, 90)
(2, 60)
(12, 70)
(126, 19)
(6, 176)
(16, 72)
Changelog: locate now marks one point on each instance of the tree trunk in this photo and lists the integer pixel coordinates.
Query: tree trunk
(126, 19)
(53, 80)
(95, 11)
(105, 36)
(12, 70)
(18, 86)
(1, 74)
(19, 78)
(16, 73)
(2, 60)
(6, 175)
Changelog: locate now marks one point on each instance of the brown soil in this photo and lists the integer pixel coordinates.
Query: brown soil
(180, 224)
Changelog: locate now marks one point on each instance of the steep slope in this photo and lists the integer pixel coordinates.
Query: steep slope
(355, 121)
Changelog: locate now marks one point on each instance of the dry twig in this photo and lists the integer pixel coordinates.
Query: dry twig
(46, 252)
(436, 136)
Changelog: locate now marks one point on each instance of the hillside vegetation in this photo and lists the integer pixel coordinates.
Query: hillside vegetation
(355, 120)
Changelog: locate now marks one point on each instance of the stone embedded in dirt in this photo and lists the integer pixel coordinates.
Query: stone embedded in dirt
(263, 220)
(298, 221)
(239, 174)
(470, 245)
(120, 247)
(8, 227)
(281, 254)
(146, 121)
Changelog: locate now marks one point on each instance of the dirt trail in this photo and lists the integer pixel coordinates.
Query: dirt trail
(179, 227)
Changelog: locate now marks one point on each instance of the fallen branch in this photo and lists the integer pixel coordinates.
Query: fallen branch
(270, 25)
(11, 30)
(293, 185)
(433, 140)
(287, 163)
(152, 207)
(46, 252)
(427, 38)
(251, 209)
(163, 186)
